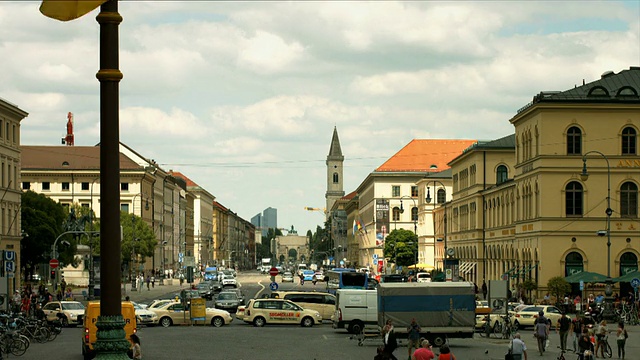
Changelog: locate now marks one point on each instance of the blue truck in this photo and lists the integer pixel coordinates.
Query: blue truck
(442, 309)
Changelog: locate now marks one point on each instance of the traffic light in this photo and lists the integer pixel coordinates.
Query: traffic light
(53, 274)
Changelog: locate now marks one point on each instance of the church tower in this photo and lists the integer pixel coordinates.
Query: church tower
(335, 182)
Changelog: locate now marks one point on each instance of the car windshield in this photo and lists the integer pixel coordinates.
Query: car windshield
(72, 306)
(308, 272)
(227, 296)
(287, 274)
(227, 272)
(203, 286)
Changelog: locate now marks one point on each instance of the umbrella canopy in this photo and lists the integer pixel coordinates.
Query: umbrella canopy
(628, 277)
(586, 276)
(421, 266)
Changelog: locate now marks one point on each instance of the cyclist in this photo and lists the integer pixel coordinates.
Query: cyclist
(600, 334)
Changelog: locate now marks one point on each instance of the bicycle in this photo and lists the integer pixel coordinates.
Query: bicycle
(12, 343)
(508, 330)
(606, 348)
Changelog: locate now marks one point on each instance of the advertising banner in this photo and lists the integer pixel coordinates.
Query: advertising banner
(382, 221)
(198, 309)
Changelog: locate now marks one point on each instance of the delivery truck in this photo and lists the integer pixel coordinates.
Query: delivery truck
(442, 309)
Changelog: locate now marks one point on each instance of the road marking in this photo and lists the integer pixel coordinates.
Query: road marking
(261, 290)
(325, 337)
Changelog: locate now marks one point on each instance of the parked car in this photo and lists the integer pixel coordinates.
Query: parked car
(227, 300)
(528, 315)
(73, 312)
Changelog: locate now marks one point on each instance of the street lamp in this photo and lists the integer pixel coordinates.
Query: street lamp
(608, 311)
(428, 200)
(415, 223)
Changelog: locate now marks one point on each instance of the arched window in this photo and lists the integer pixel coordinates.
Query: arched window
(414, 214)
(573, 199)
(335, 178)
(396, 214)
(629, 141)
(574, 141)
(573, 264)
(628, 263)
(629, 199)
(442, 196)
(501, 174)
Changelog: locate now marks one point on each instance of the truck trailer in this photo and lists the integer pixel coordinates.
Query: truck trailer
(442, 309)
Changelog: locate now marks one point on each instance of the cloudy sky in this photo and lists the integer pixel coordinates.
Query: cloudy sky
(242, 97)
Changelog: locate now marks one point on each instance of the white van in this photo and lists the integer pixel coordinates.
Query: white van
(355, 309)
(301, 268)
(423, 277)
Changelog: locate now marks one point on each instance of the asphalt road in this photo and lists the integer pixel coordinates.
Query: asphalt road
(240, 341)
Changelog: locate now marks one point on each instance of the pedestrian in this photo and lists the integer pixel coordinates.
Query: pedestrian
(413, 335)
(484, 290)
(136, 353)
(153, 281)
(148, 283)
(585, 346)
(577, 326)
(445, 353)
(424, 352)
(600, 334)
(63, 285)
(518, 348)
(16, 301)
(69, 294)
(541, 331)
(389, 340)
(621, 339)
(564, 328)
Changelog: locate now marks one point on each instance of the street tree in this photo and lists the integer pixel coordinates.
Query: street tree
(558, 287)
(42, 220)
(401, 247)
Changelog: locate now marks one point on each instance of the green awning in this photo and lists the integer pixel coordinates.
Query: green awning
(628, 277)
(586, 276)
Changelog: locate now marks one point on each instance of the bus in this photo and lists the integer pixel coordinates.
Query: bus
(340, 278)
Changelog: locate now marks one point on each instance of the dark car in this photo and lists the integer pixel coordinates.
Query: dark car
(227, 300)
(393, 278)
(215, 286)
(239, 293)
(205, 291)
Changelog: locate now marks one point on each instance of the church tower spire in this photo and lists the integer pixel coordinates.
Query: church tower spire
(335, 183)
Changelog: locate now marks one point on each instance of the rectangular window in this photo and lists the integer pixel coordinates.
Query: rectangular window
(26, 185)
(65, 186)
(414, 191)
(85, 205)
(85, 186)
(124, 207)
(395, 190)
(6, 132)
(124, 186)
(15, 137)
(46, 186)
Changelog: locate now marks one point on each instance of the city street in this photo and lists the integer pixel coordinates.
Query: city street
(241, 341)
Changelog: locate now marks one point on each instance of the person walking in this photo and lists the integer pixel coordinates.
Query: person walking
(518, 348)
(541, 331)
(484, 290)
(153, 281)
(148, 283)
(564, 328)
(621, 339)
(576, 325)
(600, 334)
(389, 339)
(424, 352)
(585, 346)
(413, 335)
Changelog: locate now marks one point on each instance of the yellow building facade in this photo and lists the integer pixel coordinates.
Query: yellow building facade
(521, 209)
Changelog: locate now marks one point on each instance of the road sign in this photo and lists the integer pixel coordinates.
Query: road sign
(9, 266)
(635, 282)
(54, 254)
(375, 257)
(9, 255)
(581, 285)
(273, 271)
(273, 286)
(54, 263)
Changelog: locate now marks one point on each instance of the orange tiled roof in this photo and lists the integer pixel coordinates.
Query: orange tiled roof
(181, 175)
(219, 206)
(425, 155)
(350, 195)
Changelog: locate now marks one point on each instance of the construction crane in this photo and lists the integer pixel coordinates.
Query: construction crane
(308, 208)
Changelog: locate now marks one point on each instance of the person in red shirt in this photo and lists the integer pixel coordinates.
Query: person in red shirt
(423, 353)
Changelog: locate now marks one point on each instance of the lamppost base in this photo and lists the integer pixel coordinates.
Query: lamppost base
(608, 313)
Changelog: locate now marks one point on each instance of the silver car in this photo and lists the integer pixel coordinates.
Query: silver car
(227, 300)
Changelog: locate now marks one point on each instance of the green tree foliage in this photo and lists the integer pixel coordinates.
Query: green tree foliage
(401, 247)
(137, 236)
(42, 220)
(558, 286)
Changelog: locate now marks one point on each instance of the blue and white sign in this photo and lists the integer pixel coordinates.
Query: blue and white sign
(9, 266)
(9, 255)
(635, 282)
(581, 285)
(273, 286)
(375, 258)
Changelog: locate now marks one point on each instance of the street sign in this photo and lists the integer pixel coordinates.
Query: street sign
(635, 282)
(9, 255)
(375, 258)
(54, 254)
(273, 271)
(581, 285)
(54, 263)
(9, 266)
(273, 286)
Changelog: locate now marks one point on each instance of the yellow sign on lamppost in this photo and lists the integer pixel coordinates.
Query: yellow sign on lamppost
(198, 309)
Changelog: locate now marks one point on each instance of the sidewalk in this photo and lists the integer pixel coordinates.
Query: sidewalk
(144, 295)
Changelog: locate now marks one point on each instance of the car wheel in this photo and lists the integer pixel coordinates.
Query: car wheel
(438, 340)
(217, 321)
(259, 321)
(166, 321)
(307, 322)
(355, 327)
(516, 325)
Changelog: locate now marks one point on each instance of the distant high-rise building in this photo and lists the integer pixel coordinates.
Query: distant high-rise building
(257, 220)
(269, 218)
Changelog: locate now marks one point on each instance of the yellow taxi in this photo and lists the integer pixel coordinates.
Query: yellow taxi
(321, 302)
(174, 313)
(278, 311)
